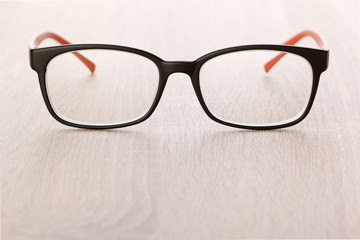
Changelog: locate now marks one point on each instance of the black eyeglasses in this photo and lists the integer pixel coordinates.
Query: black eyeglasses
(121, 86)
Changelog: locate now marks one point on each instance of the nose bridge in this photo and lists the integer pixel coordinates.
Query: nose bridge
(179, 67)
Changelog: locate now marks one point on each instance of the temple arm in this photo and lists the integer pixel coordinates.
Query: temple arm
(308, 33)
(41, 37)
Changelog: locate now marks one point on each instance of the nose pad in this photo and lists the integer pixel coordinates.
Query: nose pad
(180, 98)
(179, 67)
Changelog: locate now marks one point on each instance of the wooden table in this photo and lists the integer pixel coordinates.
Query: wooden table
(180, 175)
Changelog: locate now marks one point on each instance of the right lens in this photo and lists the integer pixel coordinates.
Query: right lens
(122, 88)
(236, 88)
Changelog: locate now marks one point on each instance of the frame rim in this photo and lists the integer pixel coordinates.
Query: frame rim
(317, 58)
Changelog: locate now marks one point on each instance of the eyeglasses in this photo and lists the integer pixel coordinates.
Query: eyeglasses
(100, 86)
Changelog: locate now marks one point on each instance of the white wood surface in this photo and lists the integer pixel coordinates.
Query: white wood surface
(180, 175)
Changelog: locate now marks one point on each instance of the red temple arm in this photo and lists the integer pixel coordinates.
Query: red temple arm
(41, 37)
(308, 33)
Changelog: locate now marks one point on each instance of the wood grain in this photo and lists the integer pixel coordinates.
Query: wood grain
(180, 175)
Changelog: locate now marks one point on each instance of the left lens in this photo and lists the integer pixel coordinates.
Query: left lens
(122, 88)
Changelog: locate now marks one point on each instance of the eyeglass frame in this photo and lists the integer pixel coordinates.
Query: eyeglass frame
(317, 58)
